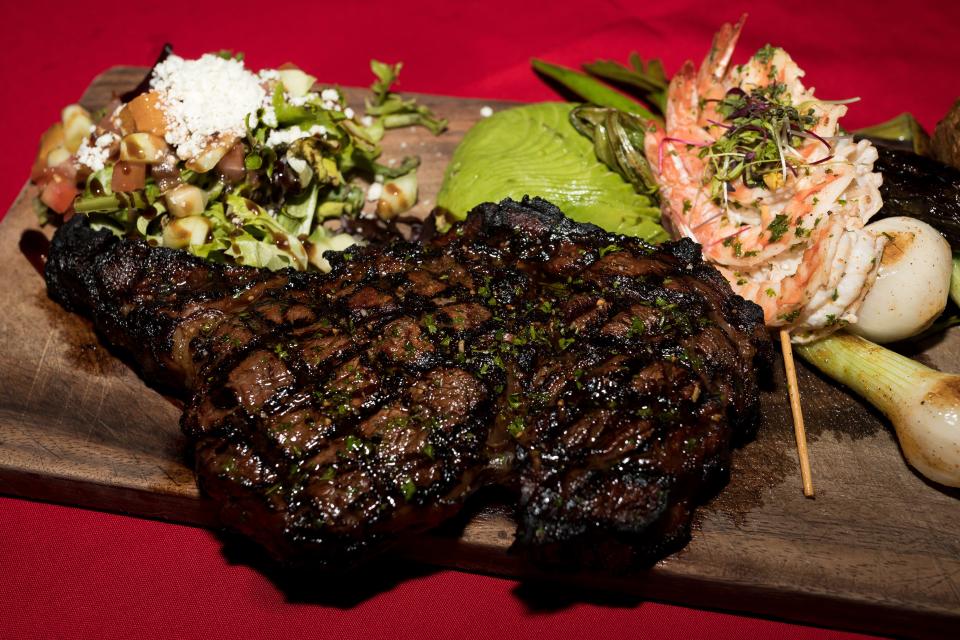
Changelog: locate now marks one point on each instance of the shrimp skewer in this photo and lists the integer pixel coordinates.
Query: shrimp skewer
(752, 165)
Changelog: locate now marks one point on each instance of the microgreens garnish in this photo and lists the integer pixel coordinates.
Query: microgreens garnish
(761, 126)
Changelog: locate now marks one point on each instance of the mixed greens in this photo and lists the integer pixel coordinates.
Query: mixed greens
(279, 196)
(758, 128)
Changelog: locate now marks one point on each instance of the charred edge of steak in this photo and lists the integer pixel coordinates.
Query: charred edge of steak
(139, 296)
(70, 264)
(602, 378)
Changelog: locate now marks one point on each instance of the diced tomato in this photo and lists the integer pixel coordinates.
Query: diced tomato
(128, 176)
(64, 170)
(58, 192)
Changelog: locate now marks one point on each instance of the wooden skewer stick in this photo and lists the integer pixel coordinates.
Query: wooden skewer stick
(798, 429)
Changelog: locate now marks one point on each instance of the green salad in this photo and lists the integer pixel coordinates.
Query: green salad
(265, 169)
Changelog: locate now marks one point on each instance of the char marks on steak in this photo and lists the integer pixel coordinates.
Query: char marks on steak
(602, 379)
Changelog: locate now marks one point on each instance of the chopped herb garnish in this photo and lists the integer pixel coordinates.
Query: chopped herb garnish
(759, 125)
(430, 323)
(353, 443)
(778, 227)
(790, 317)
(408, 488)
(515, 428)
(765, 54)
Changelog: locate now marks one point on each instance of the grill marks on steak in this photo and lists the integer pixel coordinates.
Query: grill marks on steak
(604, 379)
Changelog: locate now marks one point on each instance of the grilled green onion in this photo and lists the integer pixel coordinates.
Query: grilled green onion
(923, 404)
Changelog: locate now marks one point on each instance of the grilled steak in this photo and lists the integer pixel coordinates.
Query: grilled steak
(602, 379)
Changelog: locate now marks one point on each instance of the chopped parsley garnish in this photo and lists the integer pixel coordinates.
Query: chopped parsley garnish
(778, 227)
(430, 323)
(790, 317)
(515, 428)
(408, 488)
(353, 443)
(735, 245)
(765, 54)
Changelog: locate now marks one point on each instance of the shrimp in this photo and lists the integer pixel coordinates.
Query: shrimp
(753, 166)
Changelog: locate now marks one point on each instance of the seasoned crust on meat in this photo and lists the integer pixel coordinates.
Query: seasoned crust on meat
(602, 379)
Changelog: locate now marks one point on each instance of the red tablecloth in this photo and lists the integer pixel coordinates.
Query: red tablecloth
(66, 572)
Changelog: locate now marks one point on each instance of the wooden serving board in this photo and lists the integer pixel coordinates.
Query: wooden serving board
(877, 550)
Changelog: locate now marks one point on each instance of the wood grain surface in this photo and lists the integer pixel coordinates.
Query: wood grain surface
(877, 550)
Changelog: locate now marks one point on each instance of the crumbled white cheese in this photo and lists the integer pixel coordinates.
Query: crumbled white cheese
(204, 99)
(269, 116)
(297, 101)
(367, 121)
(375, 191)
(106, 139)
(269, 74)
(330, 95)
(349, 113)
(95, 156)
(486, 112)
(286, 136)
(91, 156)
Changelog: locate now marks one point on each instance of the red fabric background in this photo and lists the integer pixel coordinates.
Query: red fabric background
(71, 573)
